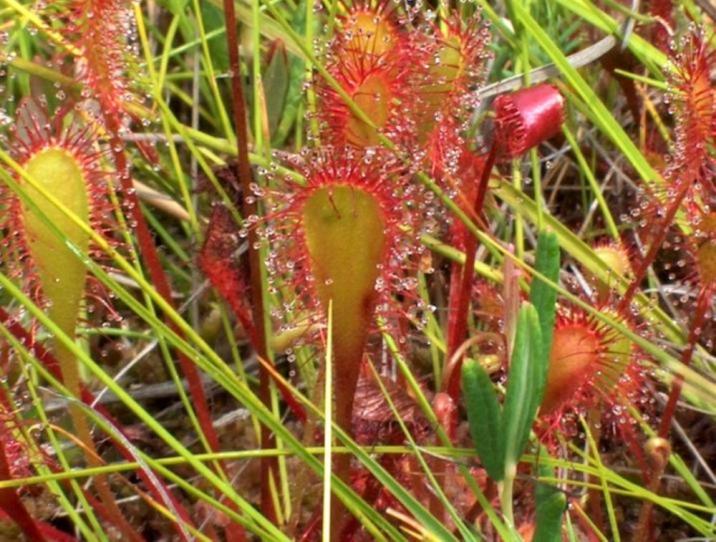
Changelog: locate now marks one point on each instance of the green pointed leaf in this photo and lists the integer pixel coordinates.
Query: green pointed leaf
(544, 299)
(484, 416)
(519, 410)
(276, 80)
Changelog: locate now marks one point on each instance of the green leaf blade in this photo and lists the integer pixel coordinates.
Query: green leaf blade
(484, 417)
(519, 410)
(551, 504)
(544, 299)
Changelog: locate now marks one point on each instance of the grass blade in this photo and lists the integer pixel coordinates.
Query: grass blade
(328, 431)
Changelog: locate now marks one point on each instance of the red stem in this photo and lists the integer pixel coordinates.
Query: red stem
(269, 465)
(458, 329)
(460, 237)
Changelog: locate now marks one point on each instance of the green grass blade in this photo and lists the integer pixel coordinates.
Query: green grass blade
(328, 430)
(650, 55)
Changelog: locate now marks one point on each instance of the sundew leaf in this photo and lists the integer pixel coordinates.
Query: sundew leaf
(520, 409)
(484, 417)
(345, 239)
(61, 274)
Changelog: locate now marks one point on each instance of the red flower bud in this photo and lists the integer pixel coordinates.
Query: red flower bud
(527, 117)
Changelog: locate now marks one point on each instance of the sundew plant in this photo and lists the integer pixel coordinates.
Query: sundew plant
(357, 270)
